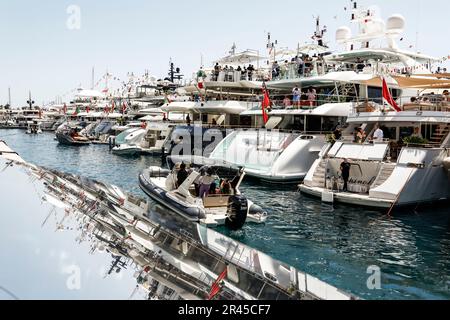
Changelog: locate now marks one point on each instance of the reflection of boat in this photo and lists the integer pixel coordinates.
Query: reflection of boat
(228, 208)
(70, 136)
(172, 258)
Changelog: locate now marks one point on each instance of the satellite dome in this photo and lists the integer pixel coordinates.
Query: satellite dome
(395, 24)
(343, 34)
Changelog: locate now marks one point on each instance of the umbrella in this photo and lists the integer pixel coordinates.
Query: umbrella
(312, 49)
(245, 57)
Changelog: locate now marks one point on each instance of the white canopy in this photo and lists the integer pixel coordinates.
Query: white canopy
(84, 93)
(311, 49)
(245, 57)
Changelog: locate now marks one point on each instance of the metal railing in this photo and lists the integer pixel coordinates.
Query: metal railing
(436, 103)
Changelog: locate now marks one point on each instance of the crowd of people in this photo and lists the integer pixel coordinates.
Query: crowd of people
(230, 72)
(299, 66)
(300, 98)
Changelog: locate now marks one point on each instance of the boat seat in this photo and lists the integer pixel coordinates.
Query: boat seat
(215, 201)
(159, 144)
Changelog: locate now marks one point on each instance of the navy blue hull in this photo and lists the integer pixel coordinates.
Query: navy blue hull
(160, 196)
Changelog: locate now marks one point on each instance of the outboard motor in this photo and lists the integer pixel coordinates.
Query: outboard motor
(447, 165)
(236, 213)
(155, 172)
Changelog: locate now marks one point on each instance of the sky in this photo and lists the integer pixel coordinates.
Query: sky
(45, 49)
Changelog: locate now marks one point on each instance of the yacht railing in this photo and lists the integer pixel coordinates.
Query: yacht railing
(305, 103)
(318, 67)
(436, 103)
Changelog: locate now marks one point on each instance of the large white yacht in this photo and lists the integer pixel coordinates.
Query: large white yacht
(329, 84)
(409, 166)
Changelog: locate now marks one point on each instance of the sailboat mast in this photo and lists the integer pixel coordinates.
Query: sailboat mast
(93, 78)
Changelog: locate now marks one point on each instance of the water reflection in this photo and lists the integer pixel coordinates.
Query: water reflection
(168, 257)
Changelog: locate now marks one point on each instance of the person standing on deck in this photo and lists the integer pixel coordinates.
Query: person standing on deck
(296, 96)
(205, 183)
(182, 175)
(378, 135)
(188, 120)
(345, 170)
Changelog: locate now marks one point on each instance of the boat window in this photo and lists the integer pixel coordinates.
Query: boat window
(375, 94)
(329, 123)
(390, 133)
(313, 124)
(406, 132)
(246, 121)
(299, 123)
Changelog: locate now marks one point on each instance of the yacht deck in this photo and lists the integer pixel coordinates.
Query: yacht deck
(347, 197)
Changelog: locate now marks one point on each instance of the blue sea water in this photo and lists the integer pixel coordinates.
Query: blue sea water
(337, 244)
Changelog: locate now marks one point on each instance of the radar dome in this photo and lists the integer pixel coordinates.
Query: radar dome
(343, 34)
(395, 24)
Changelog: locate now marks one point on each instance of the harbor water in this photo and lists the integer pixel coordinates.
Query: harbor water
(338, 244)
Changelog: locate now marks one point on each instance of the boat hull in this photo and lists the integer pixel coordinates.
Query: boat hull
(160, 196)
(69, 141)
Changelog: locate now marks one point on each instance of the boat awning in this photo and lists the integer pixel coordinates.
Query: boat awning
(242, 58)
(409, 82)
(374, 152)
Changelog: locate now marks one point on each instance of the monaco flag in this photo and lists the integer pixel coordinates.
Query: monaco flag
(388, 97)
(215, 289)
(265, 104)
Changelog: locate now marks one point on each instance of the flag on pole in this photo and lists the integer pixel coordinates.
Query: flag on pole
(65, 108)
(265, 104)
(388, 97)
(215, 288)
(113, 106)
(124, 107)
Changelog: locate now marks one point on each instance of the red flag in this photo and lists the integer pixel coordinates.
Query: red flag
(215, 289)
(388, 97)
(88, 109)
(124, 107)
(65, 108)
(113, 106)
(265, 104)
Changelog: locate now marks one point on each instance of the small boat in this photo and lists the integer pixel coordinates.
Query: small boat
(34, 127)
(127, 142)
(148, 140)
(231, 209)
(70, 136)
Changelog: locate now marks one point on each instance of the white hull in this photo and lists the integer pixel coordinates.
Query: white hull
(269, 155)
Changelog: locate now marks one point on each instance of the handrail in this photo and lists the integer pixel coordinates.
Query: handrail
(418, 104)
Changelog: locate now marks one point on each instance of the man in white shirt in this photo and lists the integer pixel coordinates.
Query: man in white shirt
(378, 136)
